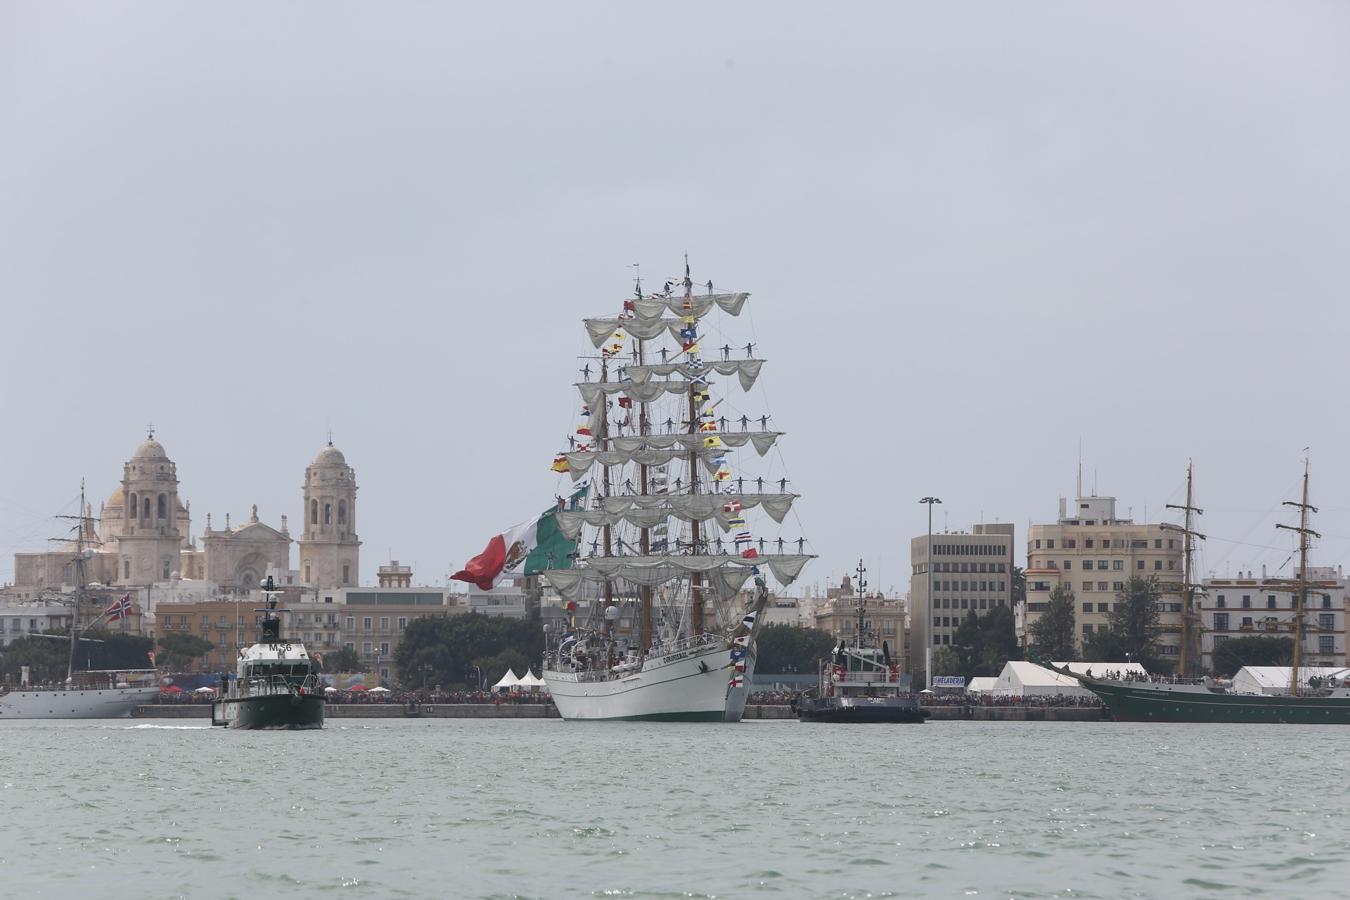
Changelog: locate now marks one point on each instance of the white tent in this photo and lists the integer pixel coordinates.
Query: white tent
(509, 680)
(981, 684)
(1275, 679)
(1026, 679)
(531, 681)
(380, 690)
(1101, 669)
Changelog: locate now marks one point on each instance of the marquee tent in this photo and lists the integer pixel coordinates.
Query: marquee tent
(1275, 679)
(981, 684)
(1025, 679)
(509, 680)
(531, 680)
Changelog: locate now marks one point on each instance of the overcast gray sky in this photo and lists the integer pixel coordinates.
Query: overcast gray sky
(976, 236)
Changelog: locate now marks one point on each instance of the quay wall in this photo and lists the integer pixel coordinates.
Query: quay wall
(548, 711)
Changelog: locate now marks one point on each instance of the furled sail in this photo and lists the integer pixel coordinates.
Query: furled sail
(746, 369)
(580, 461)
(656, 570)
(653, 307)
(651, 510)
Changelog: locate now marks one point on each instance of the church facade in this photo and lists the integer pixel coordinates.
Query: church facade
(142, 535)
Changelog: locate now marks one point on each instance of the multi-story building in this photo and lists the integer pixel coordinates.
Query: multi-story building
(884, 617)
(1262, 606)
(19, 620)
(971, 572)
(1094, 552)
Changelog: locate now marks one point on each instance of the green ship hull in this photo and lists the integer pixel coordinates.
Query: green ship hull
(269, 711)
(1128, 703)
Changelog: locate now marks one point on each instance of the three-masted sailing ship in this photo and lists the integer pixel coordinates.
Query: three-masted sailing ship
(668, 572)
(1187, 699)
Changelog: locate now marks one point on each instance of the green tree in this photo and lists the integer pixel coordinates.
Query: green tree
(47, 659)
(1131, 634)
(452, 645)
(984, 644)
(946, 661)
(1052, 635)
(345, 659)
(178, 651)
(1019, 585)
(1254, 650)
(781, 649)
(495, 666)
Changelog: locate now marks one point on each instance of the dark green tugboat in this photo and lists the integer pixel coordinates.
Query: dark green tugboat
(277, 684)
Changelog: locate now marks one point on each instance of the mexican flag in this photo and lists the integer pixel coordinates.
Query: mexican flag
(525, 549)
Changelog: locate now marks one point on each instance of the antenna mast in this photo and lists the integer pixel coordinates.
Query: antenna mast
(1304, 532)
(1189, 658)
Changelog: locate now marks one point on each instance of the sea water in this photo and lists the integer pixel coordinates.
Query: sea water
(544, 808)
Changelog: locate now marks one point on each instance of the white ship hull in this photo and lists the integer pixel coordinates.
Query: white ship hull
(689, 685)
(108, 703)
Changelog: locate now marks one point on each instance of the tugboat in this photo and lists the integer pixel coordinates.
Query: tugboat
(860, 684)
(277, 684)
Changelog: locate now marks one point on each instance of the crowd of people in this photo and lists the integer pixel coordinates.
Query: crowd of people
(785, 698)
(383, 697)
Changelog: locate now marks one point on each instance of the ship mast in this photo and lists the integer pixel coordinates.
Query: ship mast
(645, 541)
(1304, 532)
(603, 438)
(695, 579)
(862, 602)
(79, 585)
(1190, 626)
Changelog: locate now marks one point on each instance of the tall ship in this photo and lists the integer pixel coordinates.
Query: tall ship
(660, 554)
(276, 684)
(85, 694)
(1188, 698)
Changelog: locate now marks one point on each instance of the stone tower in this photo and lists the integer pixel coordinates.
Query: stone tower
(329, 547)
(149, 541)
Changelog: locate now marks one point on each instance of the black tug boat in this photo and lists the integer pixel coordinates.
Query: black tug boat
(860, 684)
(277, 684)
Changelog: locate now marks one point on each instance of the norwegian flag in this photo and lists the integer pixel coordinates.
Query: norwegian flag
(120, 609)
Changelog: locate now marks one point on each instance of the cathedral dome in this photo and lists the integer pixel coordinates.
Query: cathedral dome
(116, 499)
(330, 456)
(150, 449)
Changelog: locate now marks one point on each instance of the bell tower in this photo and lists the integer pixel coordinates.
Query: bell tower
(149, 542)
(329, 547)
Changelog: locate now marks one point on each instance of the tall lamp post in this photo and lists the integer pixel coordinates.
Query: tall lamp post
(928, 641)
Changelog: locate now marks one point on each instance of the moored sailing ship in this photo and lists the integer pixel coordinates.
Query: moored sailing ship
(1187, 699)
(661, 539)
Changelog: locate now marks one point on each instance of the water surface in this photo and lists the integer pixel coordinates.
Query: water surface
(543, 808)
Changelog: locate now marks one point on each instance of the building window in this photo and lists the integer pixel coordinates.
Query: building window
(1326, 601)
(1068, 564)
(1270, 602)
(126, 569)
(1102, 586)
(1070, 543)
(145, 508)
(1157, 543)
(1087, 607)
(1117, 564)
(166, 570)
(365, 647)
(402, 622)
(1326, 645)
(1050, 544)
(342, 512)
(1326, 622)
(163, 506)
(328, 514)
(1087, 631)
(346, 573)
(365, 623)
(1220, 602)
(314, 512)
(384, 623)
(1102, 565)
(351, 622)
(1103, 607)
(306, 571)
(384, 649)
(1087, 585)
(1087, 543)
(1139, 564)
(1246, 601)
(134, 508)
(1157, 565)
(1221, 621)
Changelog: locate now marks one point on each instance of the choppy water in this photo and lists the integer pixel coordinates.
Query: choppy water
(485, 808)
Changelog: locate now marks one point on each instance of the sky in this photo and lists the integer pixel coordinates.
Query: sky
(984, 242)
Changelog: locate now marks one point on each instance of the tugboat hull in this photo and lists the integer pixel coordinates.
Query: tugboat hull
(861, 710)
(269, 711)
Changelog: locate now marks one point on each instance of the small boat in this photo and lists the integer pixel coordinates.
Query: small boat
(277, 684)
(860, 684)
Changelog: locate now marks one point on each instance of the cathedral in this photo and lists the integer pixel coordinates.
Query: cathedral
(142, 535)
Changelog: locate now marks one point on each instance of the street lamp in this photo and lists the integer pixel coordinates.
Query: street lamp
(928, 644)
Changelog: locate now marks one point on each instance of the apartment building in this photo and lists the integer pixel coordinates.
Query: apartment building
(1261, 606)
(1094, 552)
(971, 573)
